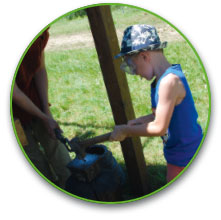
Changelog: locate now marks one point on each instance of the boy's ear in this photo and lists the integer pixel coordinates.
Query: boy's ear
(145, 55)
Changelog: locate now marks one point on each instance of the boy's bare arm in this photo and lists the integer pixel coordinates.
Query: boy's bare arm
(168, 95)
(169, 92)
(141, 120)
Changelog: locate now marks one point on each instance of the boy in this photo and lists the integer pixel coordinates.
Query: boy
(174, 116)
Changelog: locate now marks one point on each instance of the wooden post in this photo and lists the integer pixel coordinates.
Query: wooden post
(106, 42)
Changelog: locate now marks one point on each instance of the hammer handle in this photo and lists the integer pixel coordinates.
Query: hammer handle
(95, 140)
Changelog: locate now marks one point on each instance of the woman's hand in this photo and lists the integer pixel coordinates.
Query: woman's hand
(119, 133)
(50, 125)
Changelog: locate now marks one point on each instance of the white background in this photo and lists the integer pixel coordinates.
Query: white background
(25, 195)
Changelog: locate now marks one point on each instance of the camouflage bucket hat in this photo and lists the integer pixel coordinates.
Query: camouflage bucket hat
(140, 37)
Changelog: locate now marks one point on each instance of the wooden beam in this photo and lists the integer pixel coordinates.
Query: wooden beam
(106, 42)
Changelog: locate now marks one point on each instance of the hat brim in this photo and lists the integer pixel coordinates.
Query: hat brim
(150, 47)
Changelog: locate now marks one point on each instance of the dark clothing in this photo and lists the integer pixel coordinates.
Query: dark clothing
(25, 76)
(48, 155)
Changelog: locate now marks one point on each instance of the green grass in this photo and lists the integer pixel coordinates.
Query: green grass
(126, 16)
(79, 100)
(121, 16)
(66, 27)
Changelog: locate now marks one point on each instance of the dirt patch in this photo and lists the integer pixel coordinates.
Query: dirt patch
(167, 33)
(67, 42)
(85, 40)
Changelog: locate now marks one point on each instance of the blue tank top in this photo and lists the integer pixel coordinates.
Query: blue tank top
(184, 133)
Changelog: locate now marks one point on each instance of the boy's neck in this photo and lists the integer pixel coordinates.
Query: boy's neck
(161, 66)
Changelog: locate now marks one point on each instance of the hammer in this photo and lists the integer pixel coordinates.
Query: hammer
(79, 147)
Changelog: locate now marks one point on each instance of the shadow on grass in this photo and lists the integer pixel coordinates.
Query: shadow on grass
(82, 134)
(84, 126)
(156, 175)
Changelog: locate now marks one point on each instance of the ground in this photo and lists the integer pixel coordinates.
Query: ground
(85, 40)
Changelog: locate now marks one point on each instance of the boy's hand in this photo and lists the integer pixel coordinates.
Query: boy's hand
(119, 133)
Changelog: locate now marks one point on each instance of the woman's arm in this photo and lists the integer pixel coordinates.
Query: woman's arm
(20, 99)
(41, 82)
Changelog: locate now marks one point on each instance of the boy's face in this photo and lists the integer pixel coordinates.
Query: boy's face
(143, 65)
(128, 66)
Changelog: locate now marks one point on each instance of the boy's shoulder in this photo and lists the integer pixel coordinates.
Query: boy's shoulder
(171, 85)
(170, 79)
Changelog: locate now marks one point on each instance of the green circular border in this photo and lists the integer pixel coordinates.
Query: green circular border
(207, 82)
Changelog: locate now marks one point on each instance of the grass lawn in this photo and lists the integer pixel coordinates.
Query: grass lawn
(78, 96)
